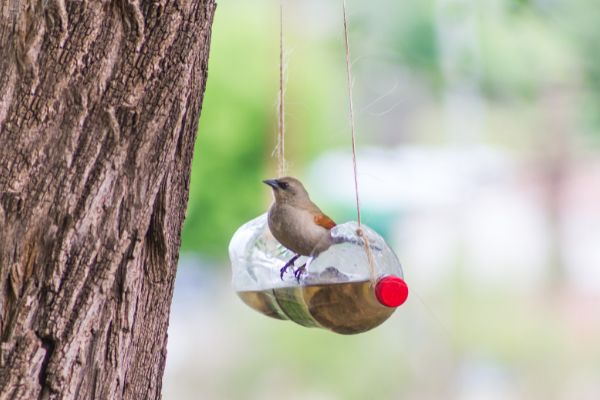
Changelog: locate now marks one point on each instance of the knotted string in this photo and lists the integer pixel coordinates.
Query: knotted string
(350, 82)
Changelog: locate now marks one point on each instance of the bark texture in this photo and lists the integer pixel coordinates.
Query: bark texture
(99, 105)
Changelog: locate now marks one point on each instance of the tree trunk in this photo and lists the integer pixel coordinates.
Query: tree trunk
(99, 105)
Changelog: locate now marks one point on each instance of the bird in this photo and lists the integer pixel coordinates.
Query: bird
(296, 222)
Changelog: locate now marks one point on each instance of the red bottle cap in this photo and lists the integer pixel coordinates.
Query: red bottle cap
(391, 291)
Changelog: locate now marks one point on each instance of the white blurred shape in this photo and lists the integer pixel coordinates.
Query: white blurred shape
(409, 177)
(505, 239)
(582, 249)
(581, 385)
(480, 379)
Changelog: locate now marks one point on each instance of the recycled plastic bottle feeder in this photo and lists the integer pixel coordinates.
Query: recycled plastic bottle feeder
(343, 289)
(352, 286)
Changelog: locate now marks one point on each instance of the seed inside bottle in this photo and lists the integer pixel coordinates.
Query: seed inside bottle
(262, 301)
(346, 308)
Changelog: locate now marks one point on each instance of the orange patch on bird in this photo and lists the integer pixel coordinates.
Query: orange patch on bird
(324, 221)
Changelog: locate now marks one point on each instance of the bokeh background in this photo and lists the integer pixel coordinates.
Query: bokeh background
(479, 161)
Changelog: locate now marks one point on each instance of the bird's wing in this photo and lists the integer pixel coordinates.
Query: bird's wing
(324, 221)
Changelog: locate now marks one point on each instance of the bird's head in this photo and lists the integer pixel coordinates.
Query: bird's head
(288, 190)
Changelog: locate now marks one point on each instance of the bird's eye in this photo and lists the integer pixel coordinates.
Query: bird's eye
(284, 185)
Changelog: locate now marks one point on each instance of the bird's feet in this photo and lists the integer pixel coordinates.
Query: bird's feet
(298, 272)
(288, 264)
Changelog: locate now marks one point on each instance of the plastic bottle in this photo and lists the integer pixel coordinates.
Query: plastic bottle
(339, 290)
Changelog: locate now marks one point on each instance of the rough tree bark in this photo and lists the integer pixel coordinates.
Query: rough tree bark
(99, 105)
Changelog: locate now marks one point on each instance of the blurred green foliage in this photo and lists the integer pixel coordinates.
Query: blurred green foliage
(415, 41)
(523, 60)
(522, 50)
(578, 21)
(231, 147)
(236, 138)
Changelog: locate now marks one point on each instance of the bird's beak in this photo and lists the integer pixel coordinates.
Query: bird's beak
(274, 183)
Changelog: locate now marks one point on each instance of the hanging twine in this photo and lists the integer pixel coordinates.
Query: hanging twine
(281, 102)
(360, 232)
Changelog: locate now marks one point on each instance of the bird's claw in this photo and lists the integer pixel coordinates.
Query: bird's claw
(298, 272)
(287, 265)
(282, 270)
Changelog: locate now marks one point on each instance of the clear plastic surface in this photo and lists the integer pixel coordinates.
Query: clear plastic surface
(336, 291)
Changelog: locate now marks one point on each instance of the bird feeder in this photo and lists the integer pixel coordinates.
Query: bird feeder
(343, 289)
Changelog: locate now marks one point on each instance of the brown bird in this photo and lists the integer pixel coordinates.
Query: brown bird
(296, 222)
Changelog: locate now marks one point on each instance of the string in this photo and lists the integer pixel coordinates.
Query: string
(281, 101)
(351, 104)
(359, 231)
